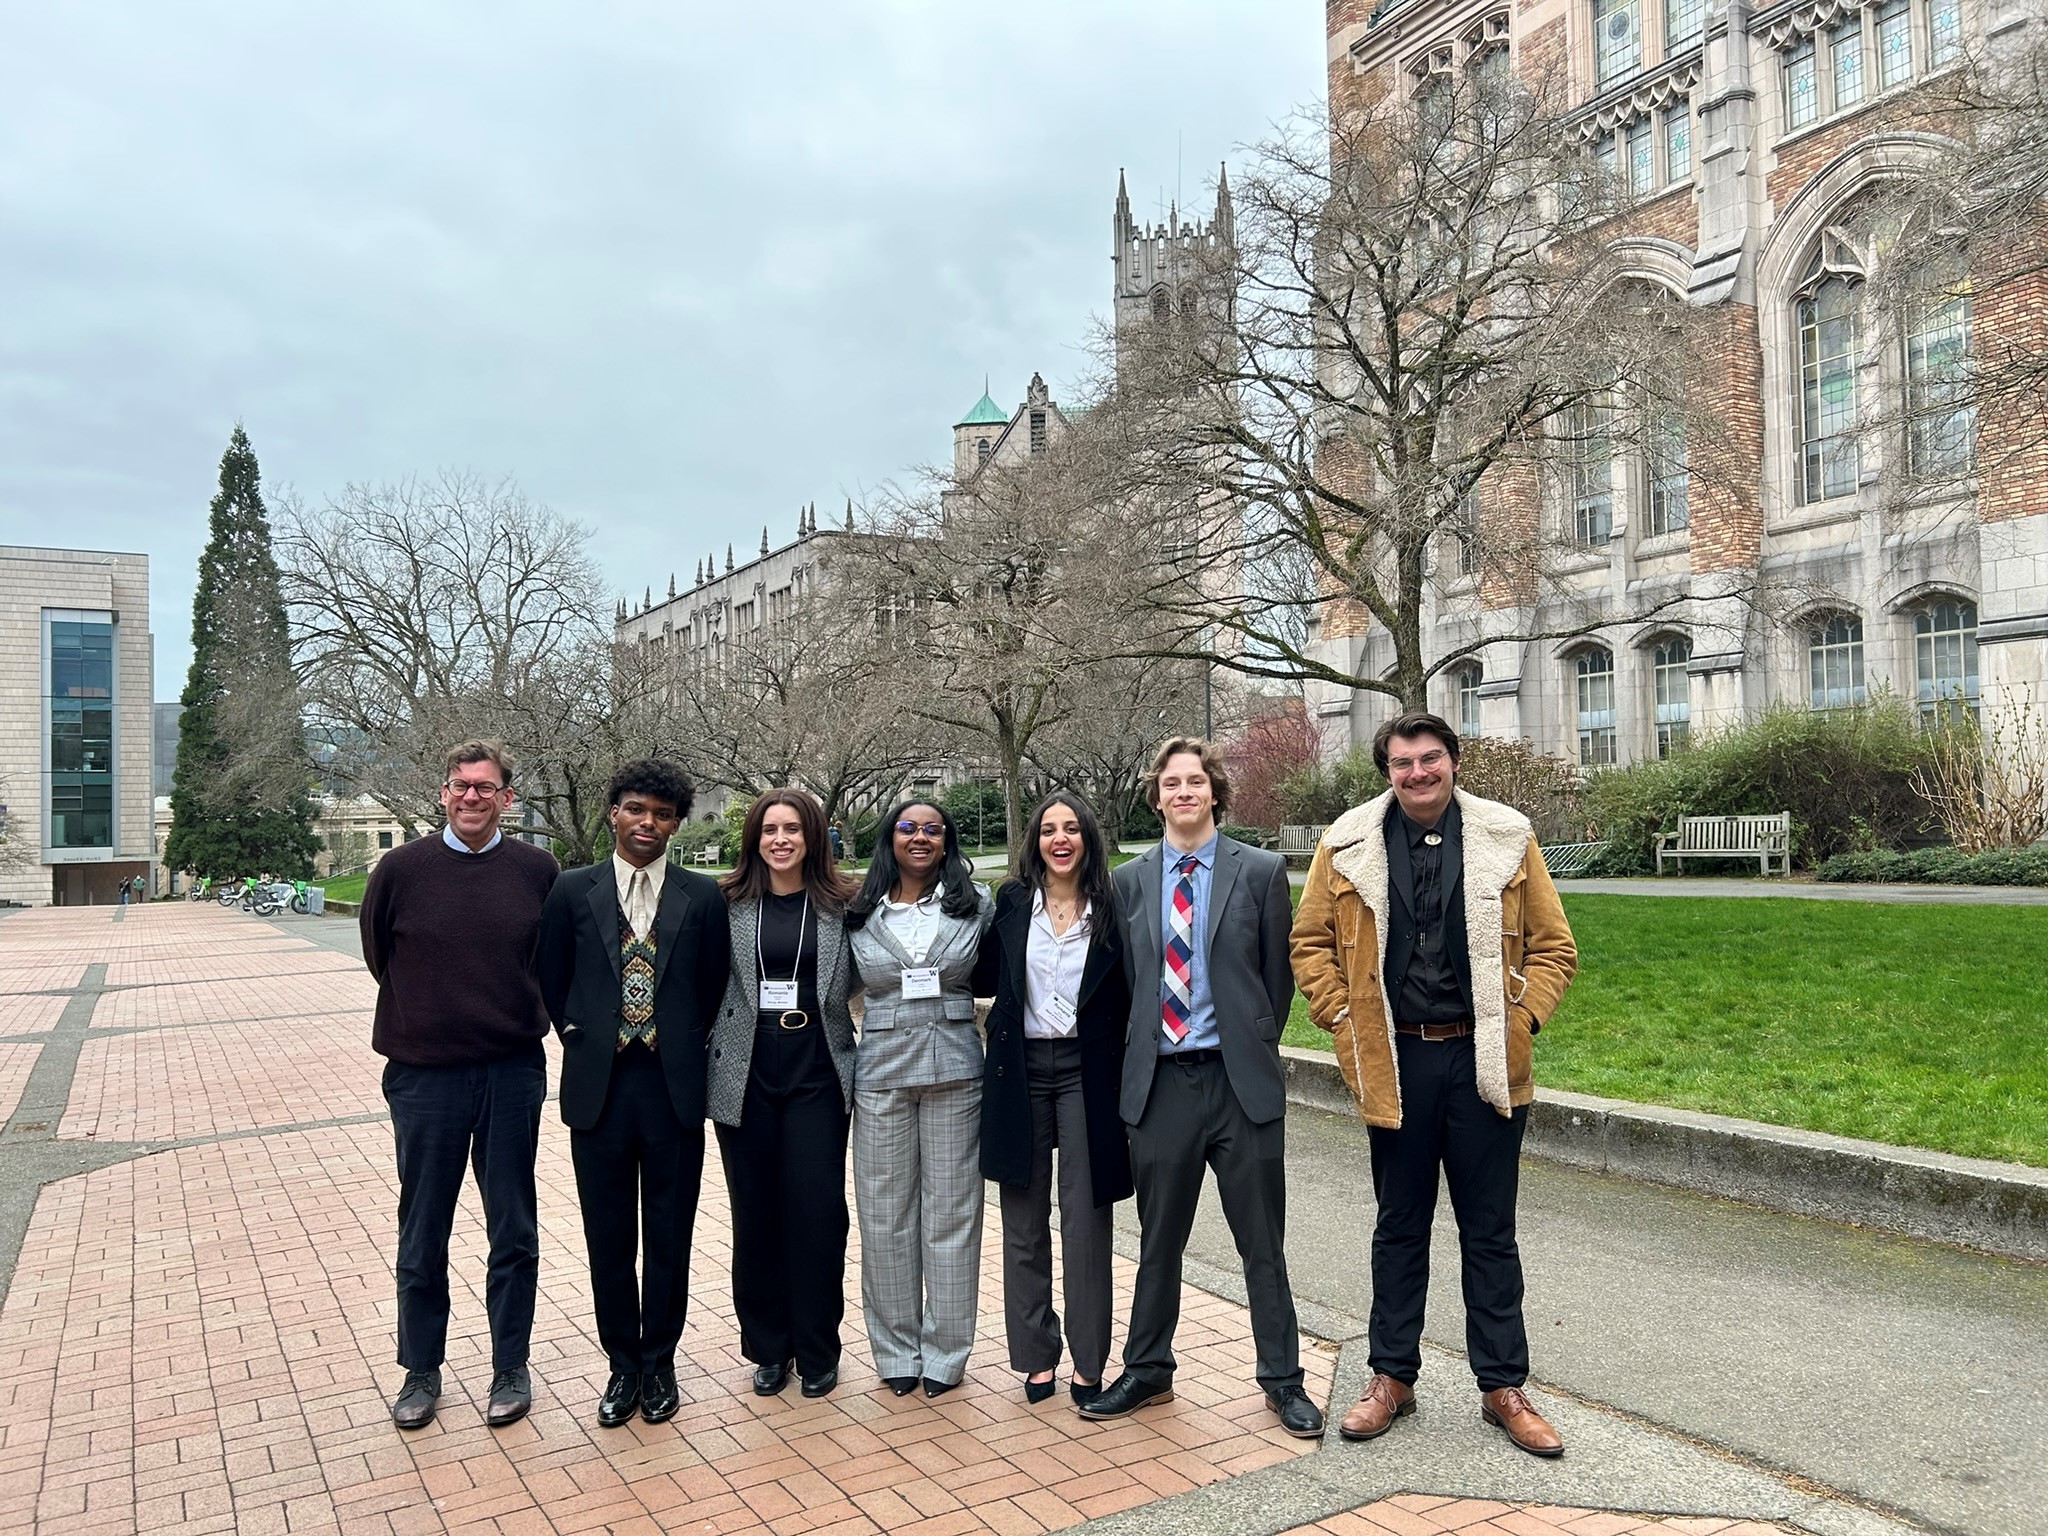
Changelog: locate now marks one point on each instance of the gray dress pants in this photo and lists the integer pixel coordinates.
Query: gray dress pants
(1058, 1120)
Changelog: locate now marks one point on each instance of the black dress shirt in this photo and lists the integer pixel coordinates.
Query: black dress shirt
(1433, 988)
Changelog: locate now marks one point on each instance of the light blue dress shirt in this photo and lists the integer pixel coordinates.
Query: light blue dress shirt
(1202, 1034)
(448, 836)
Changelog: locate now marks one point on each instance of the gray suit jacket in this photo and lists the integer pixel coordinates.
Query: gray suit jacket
(911, 1042)
(1250, 976)
(732, 1035)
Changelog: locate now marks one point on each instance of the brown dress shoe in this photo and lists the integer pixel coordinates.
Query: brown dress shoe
(1384, 1401)
(1508, 1408)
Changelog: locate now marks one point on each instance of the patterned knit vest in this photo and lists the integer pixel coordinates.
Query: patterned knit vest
(636, 984)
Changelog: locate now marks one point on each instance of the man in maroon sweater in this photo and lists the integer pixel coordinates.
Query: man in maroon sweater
(450, 923)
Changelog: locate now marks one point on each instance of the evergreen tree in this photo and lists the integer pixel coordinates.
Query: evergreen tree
(239, 803)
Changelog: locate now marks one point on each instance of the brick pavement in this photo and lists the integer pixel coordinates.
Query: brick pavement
(1411, 1514)
(200, 1339)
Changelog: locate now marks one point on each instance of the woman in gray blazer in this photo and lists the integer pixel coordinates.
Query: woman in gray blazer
(780, 1090)
(915, 928)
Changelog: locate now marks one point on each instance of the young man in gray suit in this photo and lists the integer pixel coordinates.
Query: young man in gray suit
(1205, 925)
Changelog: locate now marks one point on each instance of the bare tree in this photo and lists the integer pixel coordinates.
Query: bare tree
(428, 611)
(1113, 714)
(1390, 375)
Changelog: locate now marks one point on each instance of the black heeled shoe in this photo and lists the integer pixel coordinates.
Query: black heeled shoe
(1084, 1394)
(902, 1386)
(934, 1388)
(1039, 1391)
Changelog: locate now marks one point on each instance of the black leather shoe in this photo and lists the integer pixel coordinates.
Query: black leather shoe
(414, 1406)
(935, 1388)
(658, 1396)
(1125, 1395)
(771, 1379)
(511, 1397)
(820, 1384)
(621, 1397)
(1084, 1393)
(902, 1386)
(1039, 1391)
(1298, 1416)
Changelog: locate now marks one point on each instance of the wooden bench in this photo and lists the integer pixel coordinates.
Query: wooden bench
(1767, 839)
(1298, 843)
(708, 854)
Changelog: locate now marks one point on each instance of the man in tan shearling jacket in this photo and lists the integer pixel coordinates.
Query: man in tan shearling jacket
(1431, 944)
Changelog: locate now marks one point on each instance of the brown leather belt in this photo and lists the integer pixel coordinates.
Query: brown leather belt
(1457, 1031)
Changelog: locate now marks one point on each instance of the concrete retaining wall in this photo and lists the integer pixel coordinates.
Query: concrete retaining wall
(1999, 1207)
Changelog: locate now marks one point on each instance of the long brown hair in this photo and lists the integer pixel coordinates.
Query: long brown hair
(829, 889)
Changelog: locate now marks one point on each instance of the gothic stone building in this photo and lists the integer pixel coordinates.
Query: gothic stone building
(1747, 135)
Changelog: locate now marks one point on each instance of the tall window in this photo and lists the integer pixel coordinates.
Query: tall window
(1944, 32)
(1684, 20)
(1669, 476)
(1677, 142)
(1845, 61)
(1640, 163)
(1596, 707)
(80, 708)
(1828, 345)
(1942, 421)
(1038, 437)
(1894, 44)
(1672, 687)
(1802, 90)
(1590, 454)
(1467, 532)
(1466, 682)
(1617, 38)
(1945, 659)
(1834, 660)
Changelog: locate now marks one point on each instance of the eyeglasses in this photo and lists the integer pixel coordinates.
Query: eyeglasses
(928, 828)
(458, 790)
(1427, 760)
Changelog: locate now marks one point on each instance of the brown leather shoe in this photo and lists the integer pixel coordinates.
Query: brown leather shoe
(1384, 1401)
(1508, 1408)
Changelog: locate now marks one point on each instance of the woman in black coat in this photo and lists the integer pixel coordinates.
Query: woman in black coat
(1053, 963)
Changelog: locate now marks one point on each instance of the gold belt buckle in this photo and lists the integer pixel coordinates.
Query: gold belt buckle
(798, 1014)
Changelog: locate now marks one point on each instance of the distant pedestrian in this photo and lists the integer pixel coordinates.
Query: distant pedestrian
(124, 890)
(917, 924)
(782, 1069)
(633, 961)
(832, 832)
(1205, 944)
(1053, 961)
(1432, 945)
(449, 925)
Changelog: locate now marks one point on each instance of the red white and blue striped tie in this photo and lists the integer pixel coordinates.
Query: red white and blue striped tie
(1176, 1008)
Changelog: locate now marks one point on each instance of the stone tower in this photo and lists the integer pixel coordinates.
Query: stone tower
(1158, 266)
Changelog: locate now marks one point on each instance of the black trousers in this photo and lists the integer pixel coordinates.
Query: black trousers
(637, 1174)
(785, 1169)
(1445, 1124)
(1059, 1119)
(1193, 1119)
(486, 1119)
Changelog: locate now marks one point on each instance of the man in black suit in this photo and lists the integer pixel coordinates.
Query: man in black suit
(634, 955)
(1205, 923)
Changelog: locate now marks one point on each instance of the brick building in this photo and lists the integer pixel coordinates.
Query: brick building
(1747, 137)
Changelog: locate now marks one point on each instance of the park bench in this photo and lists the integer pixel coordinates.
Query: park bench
(708, 854)
(1767, 839)
(1298, 844)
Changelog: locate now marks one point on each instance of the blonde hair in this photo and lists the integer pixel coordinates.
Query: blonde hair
(1212, 765)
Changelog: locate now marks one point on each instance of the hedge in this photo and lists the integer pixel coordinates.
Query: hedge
(1941, 866)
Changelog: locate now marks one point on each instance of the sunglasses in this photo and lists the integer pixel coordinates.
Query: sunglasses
(928, 828)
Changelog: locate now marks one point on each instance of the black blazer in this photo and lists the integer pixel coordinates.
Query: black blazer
(578, 962)
(999, 971)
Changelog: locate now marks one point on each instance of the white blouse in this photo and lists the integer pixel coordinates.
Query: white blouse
(1053, 963)
(913, 924)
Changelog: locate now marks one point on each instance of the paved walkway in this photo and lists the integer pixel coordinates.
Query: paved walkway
(196, 1201)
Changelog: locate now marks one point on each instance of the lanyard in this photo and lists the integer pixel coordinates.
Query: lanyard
(803, 922)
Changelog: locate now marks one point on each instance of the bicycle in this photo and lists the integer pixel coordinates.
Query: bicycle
(263, 900)
(231, 892)
(299, 903)
(202, 889)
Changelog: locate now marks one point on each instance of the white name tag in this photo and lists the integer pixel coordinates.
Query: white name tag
(1059, 1013)
(777, 996)
(920, 981)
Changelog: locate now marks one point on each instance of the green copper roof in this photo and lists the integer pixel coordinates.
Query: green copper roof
(985, 413)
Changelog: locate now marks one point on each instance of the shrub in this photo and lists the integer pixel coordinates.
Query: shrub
(978, 812)
(1941, 866)
(1256, 837)
(1321, 792)
(1846, 777)
(1543, 788)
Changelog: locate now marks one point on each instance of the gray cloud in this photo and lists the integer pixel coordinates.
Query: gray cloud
(677, 268)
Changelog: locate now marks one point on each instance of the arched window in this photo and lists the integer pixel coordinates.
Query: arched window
(1945, 659)
(1834, 662)
(1596, 707)
(1671, 687)
(982, 449)
(1830, 343)
(1465, 683)
(1942, 421)
(1162, 304)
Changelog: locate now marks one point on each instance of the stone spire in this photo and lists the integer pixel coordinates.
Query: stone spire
(700, 574)
(671, 583)
(764, 538)
(728, 559)
(849, 514)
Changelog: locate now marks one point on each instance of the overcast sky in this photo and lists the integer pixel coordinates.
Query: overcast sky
(677, 267)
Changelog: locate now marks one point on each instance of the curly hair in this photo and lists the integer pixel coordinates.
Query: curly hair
(655, 777)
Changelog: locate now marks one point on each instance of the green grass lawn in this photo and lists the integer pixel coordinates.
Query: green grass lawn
(344, 887)
(1917, 1025)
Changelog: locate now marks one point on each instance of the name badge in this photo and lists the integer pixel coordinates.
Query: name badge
(777, 995)
(920, 981)
(1059, 1013)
